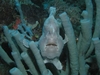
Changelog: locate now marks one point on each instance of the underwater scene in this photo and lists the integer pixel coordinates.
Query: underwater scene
(49, 37)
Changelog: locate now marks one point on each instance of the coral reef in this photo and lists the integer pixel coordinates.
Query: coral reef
(53, 37)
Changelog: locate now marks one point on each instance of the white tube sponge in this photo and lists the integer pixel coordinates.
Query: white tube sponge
(97, 50)
(29, 63)
(97, 27)
(9, 38)
(85, 43)
(89, 9)
(19, 63)
(19, 39)
(86, 33)
(15, 71)
(5, 56)
(39, 59)
(71, 43)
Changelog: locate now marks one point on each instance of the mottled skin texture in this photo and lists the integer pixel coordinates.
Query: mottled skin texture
(51, 43)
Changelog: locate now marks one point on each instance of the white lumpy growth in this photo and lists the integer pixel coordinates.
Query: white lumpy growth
(51, 43)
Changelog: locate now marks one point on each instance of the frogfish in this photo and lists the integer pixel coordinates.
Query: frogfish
(51, 43)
